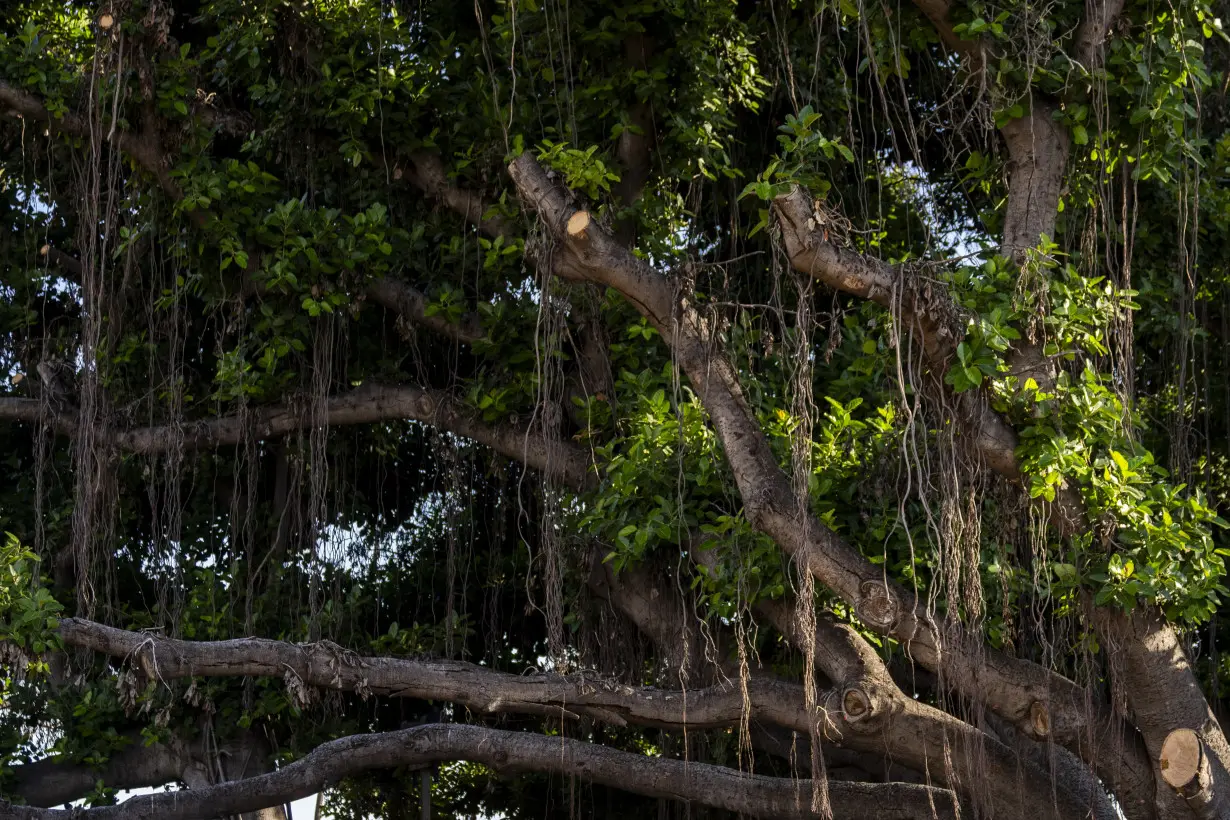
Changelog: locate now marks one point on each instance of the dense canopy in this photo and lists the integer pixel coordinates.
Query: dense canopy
(557, 408)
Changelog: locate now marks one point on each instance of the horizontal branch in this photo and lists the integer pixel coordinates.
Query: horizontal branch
(561, 460)
(195, 762)
(477, 688)
(67, 263)
(144, 150)
(512, 753)
(862, 715)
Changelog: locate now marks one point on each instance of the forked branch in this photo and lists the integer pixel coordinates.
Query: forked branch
(1039, 702)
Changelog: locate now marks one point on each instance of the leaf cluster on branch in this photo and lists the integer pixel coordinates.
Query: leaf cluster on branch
(784, 409)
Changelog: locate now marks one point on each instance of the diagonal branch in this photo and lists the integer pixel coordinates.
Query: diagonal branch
(562, 460)
(1164, 695)
(1037, 701)
(514, 752)
(865, 711)
(988, 773)
(410, 303)
(923, 310)
(427, 173)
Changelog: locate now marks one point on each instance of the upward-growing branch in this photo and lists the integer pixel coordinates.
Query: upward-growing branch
(1040, 703)
(1037, 157)
(1162, 690)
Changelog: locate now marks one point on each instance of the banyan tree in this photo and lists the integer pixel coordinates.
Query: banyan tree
(567, 409)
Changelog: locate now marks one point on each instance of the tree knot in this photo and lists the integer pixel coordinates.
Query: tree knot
(877, 605)
(1040, 720)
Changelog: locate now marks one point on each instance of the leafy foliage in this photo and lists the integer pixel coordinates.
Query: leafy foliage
(239, 279)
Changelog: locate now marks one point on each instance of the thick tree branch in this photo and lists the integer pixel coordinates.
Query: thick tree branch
(660, 614)
(1163, 695)
(411, 305)
(478, 688)
(427, 173)
(1037, 157)
(561, 460)
(988, 773)
(1039, 702)
(515, 752)
(913, 735)
(144, 150)
(1189, 769)
(925, 311)
(50, 782)
(64, 261)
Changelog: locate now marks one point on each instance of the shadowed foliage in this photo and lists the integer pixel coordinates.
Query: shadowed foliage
(573, 409)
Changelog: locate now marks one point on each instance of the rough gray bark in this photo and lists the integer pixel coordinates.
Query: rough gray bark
(52, 783)
(511, 752)
(1038, 702)
(1037, 157)
(365, 405)
(481, 689)
(866, 712)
